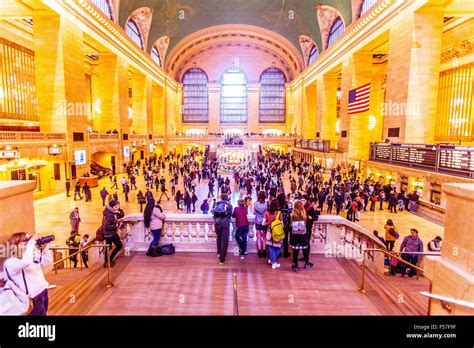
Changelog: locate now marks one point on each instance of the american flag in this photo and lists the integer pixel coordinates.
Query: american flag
(359, 99)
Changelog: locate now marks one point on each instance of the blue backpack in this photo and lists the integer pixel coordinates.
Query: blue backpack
(222, 210)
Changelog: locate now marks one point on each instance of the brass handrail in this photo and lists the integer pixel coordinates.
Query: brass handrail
(236, 304)
(446, 302)
(391, 254)
(87, 247)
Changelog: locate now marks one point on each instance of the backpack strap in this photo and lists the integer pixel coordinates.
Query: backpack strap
(24, 280)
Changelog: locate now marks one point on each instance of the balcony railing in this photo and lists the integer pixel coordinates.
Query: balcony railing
(103, 136)
(331, 235)
(22, 137)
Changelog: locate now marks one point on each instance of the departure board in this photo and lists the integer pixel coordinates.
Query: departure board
(456, 157)
(414, 154)
(382, 152)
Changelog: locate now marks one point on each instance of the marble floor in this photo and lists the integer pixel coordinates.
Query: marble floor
(52, 212)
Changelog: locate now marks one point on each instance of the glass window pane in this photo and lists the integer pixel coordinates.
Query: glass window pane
(155, 56)
(336, 30)
(132, 31)
(195, 96)
(313, 54)
(104, 6)
(366, 5)
(234, 96)
(272, 96)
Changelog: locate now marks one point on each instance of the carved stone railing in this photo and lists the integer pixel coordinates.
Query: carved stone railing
(332, 235)
(103, 136)
(26, 137)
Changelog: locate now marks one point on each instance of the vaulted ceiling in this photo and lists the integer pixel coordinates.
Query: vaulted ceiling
(178, 19)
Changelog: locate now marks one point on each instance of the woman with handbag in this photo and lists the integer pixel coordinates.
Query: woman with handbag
(391, 234)
(298, 237)
(24, 269)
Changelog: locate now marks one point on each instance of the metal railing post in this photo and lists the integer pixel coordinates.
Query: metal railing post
(362, 283)
(109, 283)
(236, 304)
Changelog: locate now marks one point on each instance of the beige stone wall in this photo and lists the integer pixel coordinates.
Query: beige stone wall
(452, 274)
(17, 213)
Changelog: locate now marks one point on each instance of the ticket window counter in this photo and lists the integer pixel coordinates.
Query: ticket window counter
(404, 184)
(435, 194)
(418, 185)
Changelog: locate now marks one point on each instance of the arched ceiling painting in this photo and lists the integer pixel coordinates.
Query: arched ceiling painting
(177, 19)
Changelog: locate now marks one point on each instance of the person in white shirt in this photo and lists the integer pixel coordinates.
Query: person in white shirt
(25, 269)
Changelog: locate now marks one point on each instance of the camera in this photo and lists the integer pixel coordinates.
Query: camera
(44, 240)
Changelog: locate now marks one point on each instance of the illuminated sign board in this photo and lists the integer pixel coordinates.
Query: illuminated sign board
(126, 151)
(55, 150)
(8, 154)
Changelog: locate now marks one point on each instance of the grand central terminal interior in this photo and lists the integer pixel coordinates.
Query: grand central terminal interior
(174, 157)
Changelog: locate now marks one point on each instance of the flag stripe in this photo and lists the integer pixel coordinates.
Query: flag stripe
(359, 99)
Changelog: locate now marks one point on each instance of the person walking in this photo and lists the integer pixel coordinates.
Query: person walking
(194, 199)
(126, 190)
(178, 198)
(242, 224)
(163, 191)
(298, 238)
(391, 234)
(114, 183)
(222, 216)
(103, 195)
(274, 247)
(86, 190)
(77, 190)
(74, 220)
(411, 244)
(205, 206)
(84, 254)
(259, 209)
(187, 201)
(110, 228)
(68, 188)
(141, 200)
(312, 215)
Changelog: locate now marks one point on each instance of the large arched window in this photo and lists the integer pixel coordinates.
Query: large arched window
(336, 30)
(272, 96)
(131, 29)
(195, 96)
(313, 54)
(105, 6)
(366, 5)
(233, 96)
(155, 55)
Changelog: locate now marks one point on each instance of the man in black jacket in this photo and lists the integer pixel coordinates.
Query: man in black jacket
(110, 227)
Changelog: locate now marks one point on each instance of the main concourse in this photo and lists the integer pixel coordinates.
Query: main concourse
(238, 158)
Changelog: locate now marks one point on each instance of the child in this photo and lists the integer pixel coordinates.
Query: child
(205, 207)
(84, 254)
(73, 243)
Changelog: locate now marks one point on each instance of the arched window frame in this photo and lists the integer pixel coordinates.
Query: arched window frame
(365, 6)
(106, 7)
(272, 105)
(195, 96)
(313, 54)
(155, 55)
(239, 104)
(337, 29)
(133, 32)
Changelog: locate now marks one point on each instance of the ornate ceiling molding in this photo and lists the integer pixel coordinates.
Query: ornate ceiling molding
(142, 16)
(356, 6)
(162, 46)
(235, 35)
(326, 17)
(461, 49)
(306, 44)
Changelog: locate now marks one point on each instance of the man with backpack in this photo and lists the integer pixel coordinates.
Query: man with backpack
(411, 244)
(222, 216)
